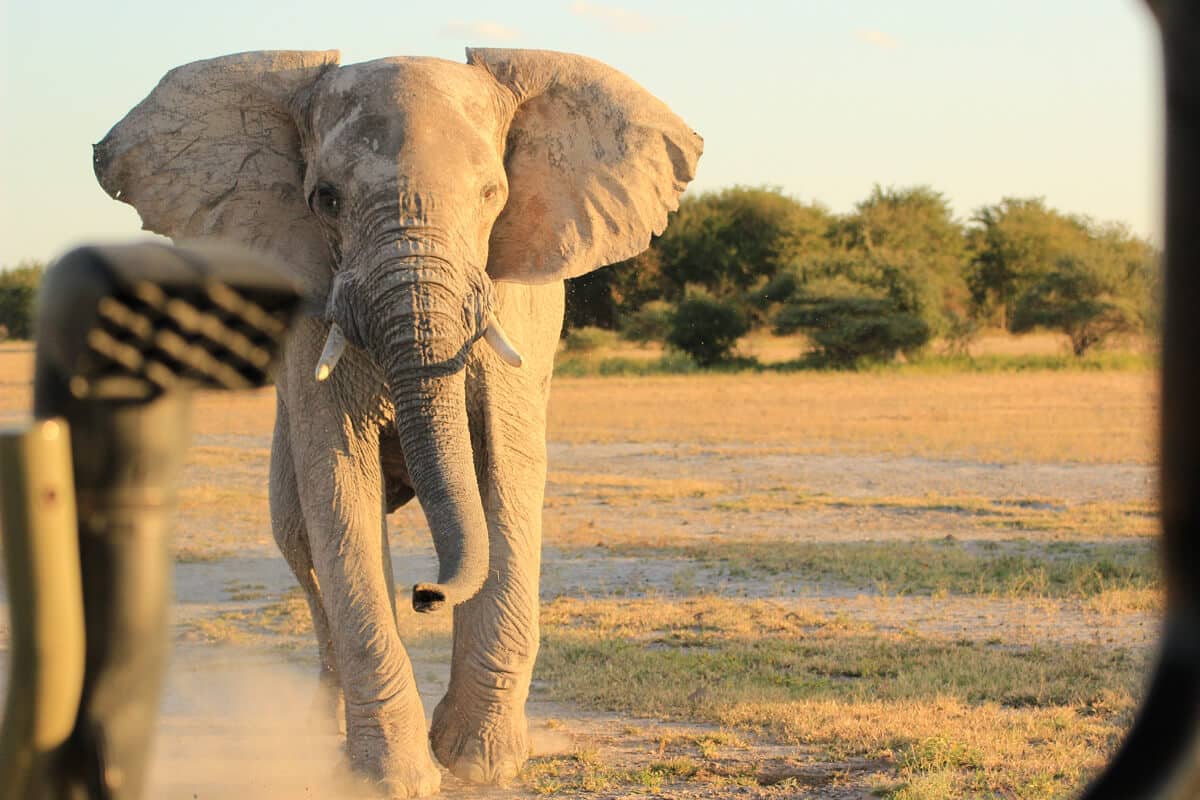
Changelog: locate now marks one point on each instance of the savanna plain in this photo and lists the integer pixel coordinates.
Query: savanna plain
(903, 583)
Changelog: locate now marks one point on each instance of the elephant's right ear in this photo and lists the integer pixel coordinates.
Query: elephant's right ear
(214, 150)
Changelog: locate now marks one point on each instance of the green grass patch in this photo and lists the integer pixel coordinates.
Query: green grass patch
(240, 592)
(1122, 519)
(1104, 361)
(574, 363)
(575, 366)
(584, 771)
(695, 666)
(987, 719)
(588, 340)
(1020, 569)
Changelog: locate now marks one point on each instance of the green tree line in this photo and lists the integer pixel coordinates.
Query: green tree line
(889, 277)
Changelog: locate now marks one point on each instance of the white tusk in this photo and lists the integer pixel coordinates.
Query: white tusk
(335, 345)
(496, 337)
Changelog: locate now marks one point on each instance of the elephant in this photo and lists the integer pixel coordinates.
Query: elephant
(427, 205)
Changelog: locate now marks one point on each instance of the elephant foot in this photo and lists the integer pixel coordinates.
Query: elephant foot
(412, 781)
(480, 742)
(389, 748)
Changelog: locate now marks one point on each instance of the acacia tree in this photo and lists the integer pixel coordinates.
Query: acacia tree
(1013, 246)
(892, 280)
(733, 240)
(728, 243)
(1104, 288)
(909, 237)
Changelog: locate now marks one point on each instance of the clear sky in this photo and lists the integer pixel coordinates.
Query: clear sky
(823, 98)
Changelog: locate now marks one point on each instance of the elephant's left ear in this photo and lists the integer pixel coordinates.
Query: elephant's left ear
(594, 161)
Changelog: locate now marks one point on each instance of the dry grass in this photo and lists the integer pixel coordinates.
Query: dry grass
(285, 620)
(568, 488)
(282, 622)
(1043, 514)
(1002, 417)
(974, 516)
(770, 349)
(216, 521)
(997, 342)
(16, 376)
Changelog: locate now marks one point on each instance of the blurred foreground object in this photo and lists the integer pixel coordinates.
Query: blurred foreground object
(123, 336)
(1161, 756)
(37, 511)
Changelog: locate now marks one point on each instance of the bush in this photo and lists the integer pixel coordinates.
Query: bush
(18, 291)
(588, 340)
(707, 328)
(650, 323)
(851, 330)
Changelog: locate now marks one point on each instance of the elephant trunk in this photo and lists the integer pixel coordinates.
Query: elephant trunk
(419, 324)
(431, 418)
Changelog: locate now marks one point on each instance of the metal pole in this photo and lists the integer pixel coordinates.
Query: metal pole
(127, 458)
(37, 510)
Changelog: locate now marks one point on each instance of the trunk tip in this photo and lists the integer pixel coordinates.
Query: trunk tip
(427, 597)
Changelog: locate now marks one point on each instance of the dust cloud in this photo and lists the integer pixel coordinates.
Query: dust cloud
(237, 724)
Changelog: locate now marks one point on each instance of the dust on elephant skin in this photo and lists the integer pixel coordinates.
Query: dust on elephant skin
(428, 204)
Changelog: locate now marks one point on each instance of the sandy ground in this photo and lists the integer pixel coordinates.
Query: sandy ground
(247, 709)
(237, 721)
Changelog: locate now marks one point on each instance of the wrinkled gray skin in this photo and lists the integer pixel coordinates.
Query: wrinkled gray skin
(422, 199)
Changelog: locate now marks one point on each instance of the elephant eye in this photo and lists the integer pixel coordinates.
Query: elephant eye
(326, 201)
(490, 191)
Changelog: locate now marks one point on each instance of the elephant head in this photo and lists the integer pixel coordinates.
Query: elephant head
(403, 188)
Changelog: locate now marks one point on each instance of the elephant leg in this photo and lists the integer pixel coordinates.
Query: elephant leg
(479, 729)
(335, 450)
(385, 722)
(291, 535)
